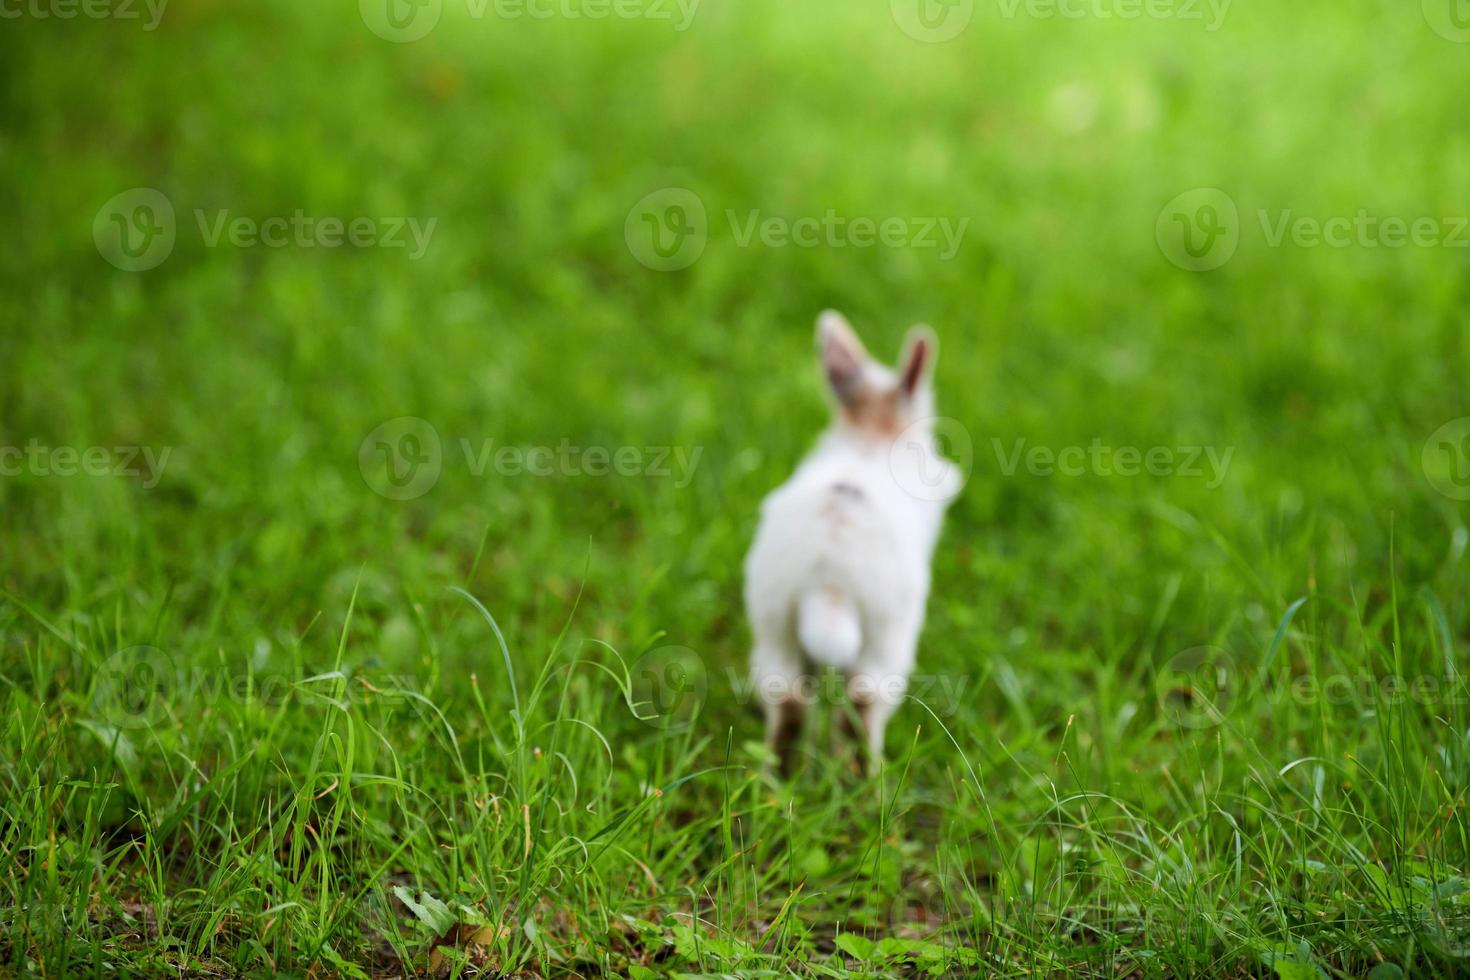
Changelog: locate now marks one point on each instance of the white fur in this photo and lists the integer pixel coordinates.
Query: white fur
(838, 574)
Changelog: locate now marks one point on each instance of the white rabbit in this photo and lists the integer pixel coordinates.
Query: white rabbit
(838, 574)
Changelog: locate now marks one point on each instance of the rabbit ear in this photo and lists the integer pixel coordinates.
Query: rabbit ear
(920, 349)
(843, 354)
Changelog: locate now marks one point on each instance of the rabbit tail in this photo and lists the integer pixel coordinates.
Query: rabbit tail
(828, 626)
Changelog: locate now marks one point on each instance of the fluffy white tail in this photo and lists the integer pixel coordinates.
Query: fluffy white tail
(828, 627)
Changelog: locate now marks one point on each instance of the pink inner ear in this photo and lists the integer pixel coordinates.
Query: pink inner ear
(914, 369)
(844, 367)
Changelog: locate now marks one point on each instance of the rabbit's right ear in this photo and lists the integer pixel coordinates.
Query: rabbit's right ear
(843, 354)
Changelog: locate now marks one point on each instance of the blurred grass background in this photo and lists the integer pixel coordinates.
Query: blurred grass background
(530, 321)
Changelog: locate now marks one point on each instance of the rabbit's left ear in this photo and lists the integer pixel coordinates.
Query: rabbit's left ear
(843, 354)
(920, 349)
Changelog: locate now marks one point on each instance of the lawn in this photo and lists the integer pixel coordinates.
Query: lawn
(387, 395)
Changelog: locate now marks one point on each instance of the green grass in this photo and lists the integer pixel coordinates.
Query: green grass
(251, 725)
